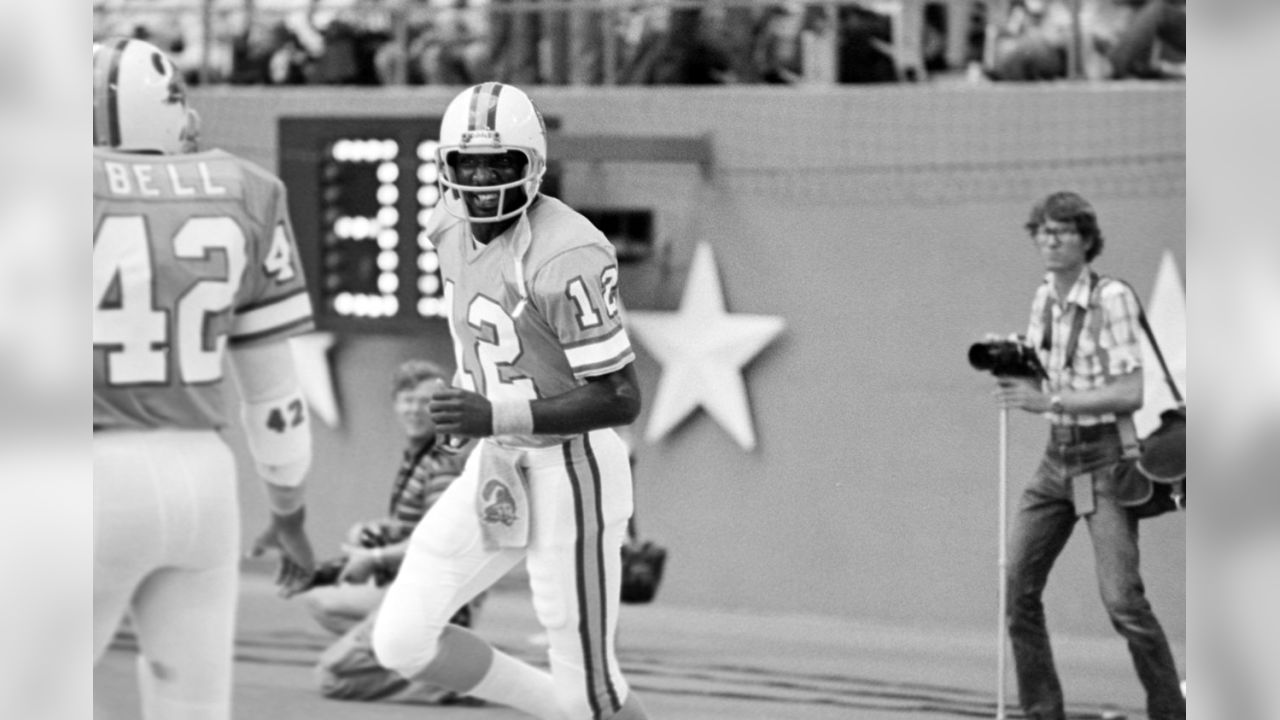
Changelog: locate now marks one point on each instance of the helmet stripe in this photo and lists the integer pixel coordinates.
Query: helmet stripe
(491, 122)
(475, 103)
(483, 112)
(106, 113)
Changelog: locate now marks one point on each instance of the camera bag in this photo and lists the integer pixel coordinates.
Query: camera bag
(1151, 479)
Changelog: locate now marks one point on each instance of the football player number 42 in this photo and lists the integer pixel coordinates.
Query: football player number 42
(139, 336)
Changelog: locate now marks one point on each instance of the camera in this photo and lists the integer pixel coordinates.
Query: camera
(1006, 358)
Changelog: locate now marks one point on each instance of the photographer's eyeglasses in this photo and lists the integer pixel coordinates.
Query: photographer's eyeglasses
(1061, 233)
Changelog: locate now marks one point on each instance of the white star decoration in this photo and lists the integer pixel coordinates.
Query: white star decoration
(703, 349)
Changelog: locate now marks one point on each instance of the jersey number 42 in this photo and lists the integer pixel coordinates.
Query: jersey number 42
(137, 328)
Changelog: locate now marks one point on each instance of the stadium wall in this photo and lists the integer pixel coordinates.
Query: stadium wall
(884, 226)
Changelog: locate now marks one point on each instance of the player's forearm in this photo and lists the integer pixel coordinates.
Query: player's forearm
(609, 401)
(288, 504)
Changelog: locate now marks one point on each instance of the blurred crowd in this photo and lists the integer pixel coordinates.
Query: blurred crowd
(654, 42)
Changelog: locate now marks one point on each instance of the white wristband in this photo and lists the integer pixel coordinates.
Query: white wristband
(279, 437)
(512, 417)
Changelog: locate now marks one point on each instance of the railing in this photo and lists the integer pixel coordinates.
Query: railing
(571, 19)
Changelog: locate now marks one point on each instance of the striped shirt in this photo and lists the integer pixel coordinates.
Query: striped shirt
(1108, 345)
(426, 470)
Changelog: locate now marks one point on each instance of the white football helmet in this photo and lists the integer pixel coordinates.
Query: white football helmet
(492, 118)
(139, 99)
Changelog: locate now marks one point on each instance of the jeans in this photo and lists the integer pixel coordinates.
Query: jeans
(1045, 518)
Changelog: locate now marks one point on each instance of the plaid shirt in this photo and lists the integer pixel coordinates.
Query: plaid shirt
(425, 471)
(1108, 344)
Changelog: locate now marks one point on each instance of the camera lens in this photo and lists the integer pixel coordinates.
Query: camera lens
(980, 356)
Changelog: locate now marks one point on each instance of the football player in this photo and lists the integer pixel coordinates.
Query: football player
(544, 372)
(193, 262)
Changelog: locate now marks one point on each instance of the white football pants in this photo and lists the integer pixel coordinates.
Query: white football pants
(166, 552)
(580, 498)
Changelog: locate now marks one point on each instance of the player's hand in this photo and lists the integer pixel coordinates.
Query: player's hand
(286, 535)
(461, 412)
(361, 565)
(367, 534)
(1021, 393)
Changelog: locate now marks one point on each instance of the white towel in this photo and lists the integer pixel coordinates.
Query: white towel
(502, 497)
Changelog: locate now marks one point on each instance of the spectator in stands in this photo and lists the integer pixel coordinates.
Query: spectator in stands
(1032, 42)
(349, 52)
(456, 51)
(1154, 44)
(587, 28)
(775, 51)
(676, 49)
(514, 36)
(1119, 39)
(864, 47)
(269, 54)
(347, 592)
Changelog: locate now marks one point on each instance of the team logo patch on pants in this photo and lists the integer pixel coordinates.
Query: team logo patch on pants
(502, 498)
(500, 506)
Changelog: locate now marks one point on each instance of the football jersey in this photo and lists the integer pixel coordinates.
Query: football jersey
(535, 312)
(191, 254)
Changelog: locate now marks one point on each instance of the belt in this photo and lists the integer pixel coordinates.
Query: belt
(1076, 434)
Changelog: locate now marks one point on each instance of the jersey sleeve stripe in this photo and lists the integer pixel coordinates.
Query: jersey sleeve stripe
(263, 320)
(602, 350)
(605, 367)
(595, 339)
(251, 306)
(294, 328)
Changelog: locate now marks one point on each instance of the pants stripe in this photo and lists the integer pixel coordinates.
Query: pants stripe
(602, 592)
(584, 477)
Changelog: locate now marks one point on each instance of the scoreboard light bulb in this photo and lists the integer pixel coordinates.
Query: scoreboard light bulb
(344, 304)
(388, 283)
(427, 150)
(428, 173)
(428, 195)
(388, 150)
(388, 239)
(424, 216)
(388, 217)
(429, 285)
(388, 172)
(429, 262)
(424, 241)
(388, 194)
(430, 307)
(359, 228)
(341, 150)
(390, 306)
(388, 260)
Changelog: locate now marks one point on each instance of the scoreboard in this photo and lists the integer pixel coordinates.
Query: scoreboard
(361, 191)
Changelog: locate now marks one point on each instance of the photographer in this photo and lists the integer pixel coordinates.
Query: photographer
(1084, 331)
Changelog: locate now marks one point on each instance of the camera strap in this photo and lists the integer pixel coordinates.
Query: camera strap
(1077, 324)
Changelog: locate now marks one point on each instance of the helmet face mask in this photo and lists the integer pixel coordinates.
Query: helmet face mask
(492, 185)
(491, 119)
(139, 99)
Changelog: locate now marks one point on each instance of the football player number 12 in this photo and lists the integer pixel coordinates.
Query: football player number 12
(137, 334)
(499, 346)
